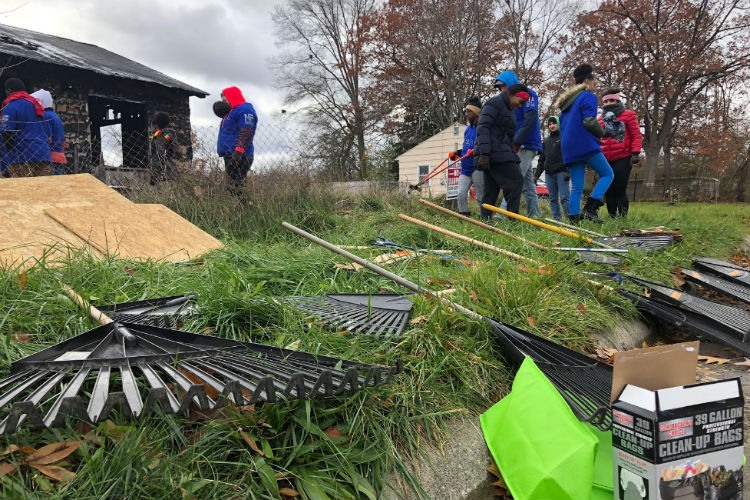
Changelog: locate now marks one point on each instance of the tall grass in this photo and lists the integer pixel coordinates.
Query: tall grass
(451, 366)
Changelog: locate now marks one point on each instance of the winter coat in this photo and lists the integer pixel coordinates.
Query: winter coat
(550, 160)
(470, 137)
(239, 125)
(495, 131)
(528, 132)
(579, 129)
(25, 133)
(57, 137)
(631, 145)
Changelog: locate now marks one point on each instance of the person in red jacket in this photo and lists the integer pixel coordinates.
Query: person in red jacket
(620, 155)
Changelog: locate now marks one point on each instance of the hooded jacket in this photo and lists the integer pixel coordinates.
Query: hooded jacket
(631, 144)
(470, 137)
(528, 132)
(550, 160)
(495, 130)
(27, 138)
(238, 127)
(54, 127)
(579, 130)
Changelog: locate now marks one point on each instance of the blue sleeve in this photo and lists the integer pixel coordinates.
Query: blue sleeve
(10, 117)
(527, 126)
(589, 105)
(246, 118)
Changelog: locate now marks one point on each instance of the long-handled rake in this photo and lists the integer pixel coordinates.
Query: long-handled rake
(166, 312)
(136, 368)
(724, 269)
(643, 241)
(584, 383)
(438, 170)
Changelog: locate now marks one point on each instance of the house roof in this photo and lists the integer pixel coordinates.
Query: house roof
(65, 52)
(431, 139)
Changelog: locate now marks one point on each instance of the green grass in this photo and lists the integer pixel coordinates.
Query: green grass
(451, 367)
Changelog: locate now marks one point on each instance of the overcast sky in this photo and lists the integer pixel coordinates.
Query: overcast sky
(209, 44)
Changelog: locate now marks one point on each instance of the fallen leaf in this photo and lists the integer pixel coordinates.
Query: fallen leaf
(210, 391)
(9, 449)
(644, 344)
(293, 346)
(6, 469)
(27, 449)
(20, 336)
(289, 492)
(52, 453)
(418, 320)
(473, 295)
(55, 472)
(22, 280)
(743, 363)
(209, 330)
(711, 359)
(438, 281)
(333, 432)
(531, 320)
(678, 278)
(581, 308)
(251, 443)
(347, 267)
(129, 271)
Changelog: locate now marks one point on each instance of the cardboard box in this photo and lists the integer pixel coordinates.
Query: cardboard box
(676, 443)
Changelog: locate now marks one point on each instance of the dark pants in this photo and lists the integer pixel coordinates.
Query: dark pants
(617, 197)
(505, 176)
(237, 170)
(29, 169)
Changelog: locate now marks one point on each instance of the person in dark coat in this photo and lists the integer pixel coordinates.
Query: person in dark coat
(497, 157)
(235, 143)
(162, 149)
(469, 175)
(56, 132)
(580, 133)
(527, 140)
(621, 155)
(555, 174)
(26, 137)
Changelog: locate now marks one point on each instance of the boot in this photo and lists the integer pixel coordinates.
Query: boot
(574, 219)
(591, 210)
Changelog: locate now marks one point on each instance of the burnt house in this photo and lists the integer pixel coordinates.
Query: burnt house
(94, 88)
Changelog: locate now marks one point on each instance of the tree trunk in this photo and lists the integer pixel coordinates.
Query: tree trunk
(649, 171)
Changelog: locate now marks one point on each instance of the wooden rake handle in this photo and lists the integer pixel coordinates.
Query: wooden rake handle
(95, 313)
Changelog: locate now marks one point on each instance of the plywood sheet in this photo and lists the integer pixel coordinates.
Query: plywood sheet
(27, 234)
(60, 191)
(136, 231)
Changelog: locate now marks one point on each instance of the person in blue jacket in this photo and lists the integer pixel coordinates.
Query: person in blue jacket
(26, 138)
(469, 174)
(527, 140)
(56, 132)
(580, 133)
(235, 143)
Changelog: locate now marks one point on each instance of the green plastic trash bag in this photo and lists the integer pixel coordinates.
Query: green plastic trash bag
(602, 482)
(540, 447)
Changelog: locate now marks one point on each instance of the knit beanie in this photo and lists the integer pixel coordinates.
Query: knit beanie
(161, 120)
(583, 73)
(14, 85)
(553, 119)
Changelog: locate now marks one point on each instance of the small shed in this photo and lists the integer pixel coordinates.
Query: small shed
(95, 88)
(414, 164)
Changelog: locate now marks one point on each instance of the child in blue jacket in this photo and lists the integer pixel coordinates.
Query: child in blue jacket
(580, 132)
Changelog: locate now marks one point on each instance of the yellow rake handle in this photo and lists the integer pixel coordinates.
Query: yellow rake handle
(537, 223)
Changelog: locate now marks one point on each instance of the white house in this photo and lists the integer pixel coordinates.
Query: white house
(414, 164)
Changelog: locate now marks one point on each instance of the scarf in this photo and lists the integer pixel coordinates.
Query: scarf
(616, 108)
(26, 97)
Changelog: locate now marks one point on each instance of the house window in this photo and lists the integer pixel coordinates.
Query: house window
(455, 130)
(423, 171)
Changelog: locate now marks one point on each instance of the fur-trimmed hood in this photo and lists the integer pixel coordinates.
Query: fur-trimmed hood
(565, 101)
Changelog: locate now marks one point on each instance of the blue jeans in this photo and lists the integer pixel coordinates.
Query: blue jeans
(558, 187)
(577, 170)
(57, 168)
(529, 188)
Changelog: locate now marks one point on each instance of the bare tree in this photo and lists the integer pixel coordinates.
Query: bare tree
(324, 70)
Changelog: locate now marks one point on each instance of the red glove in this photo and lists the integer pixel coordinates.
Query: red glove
(454, 155)
(470, 152)
(516, 148)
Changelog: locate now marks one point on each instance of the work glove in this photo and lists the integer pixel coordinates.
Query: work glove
(470, 152)
(454, 155)
(536, 180)
(516, 148)
(635, 159)
(483, 163)
(237, 156)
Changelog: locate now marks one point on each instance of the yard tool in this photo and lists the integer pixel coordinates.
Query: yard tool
(165, 312)
(723, 269)
(598, 258)
(574, 228)
(383, 316)
(640, 240)
(481, 224)
(725, 287)
(732, 320)
(585, 383)
(684, 318)
(578, 249)
(135, 368)
(381, 241)
(438, 170)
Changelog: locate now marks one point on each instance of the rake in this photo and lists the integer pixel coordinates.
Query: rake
(438, 170)
(135, 369)
(383, 316)
(635, 239)
(167, 312)
(732, 320)
(724, 269)
(585, 383)
(725, 287)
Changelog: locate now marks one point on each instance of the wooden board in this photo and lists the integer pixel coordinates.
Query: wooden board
(136, 231)
(60, 191)
(27, 234)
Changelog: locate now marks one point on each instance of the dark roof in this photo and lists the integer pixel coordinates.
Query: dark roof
(65, 52)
